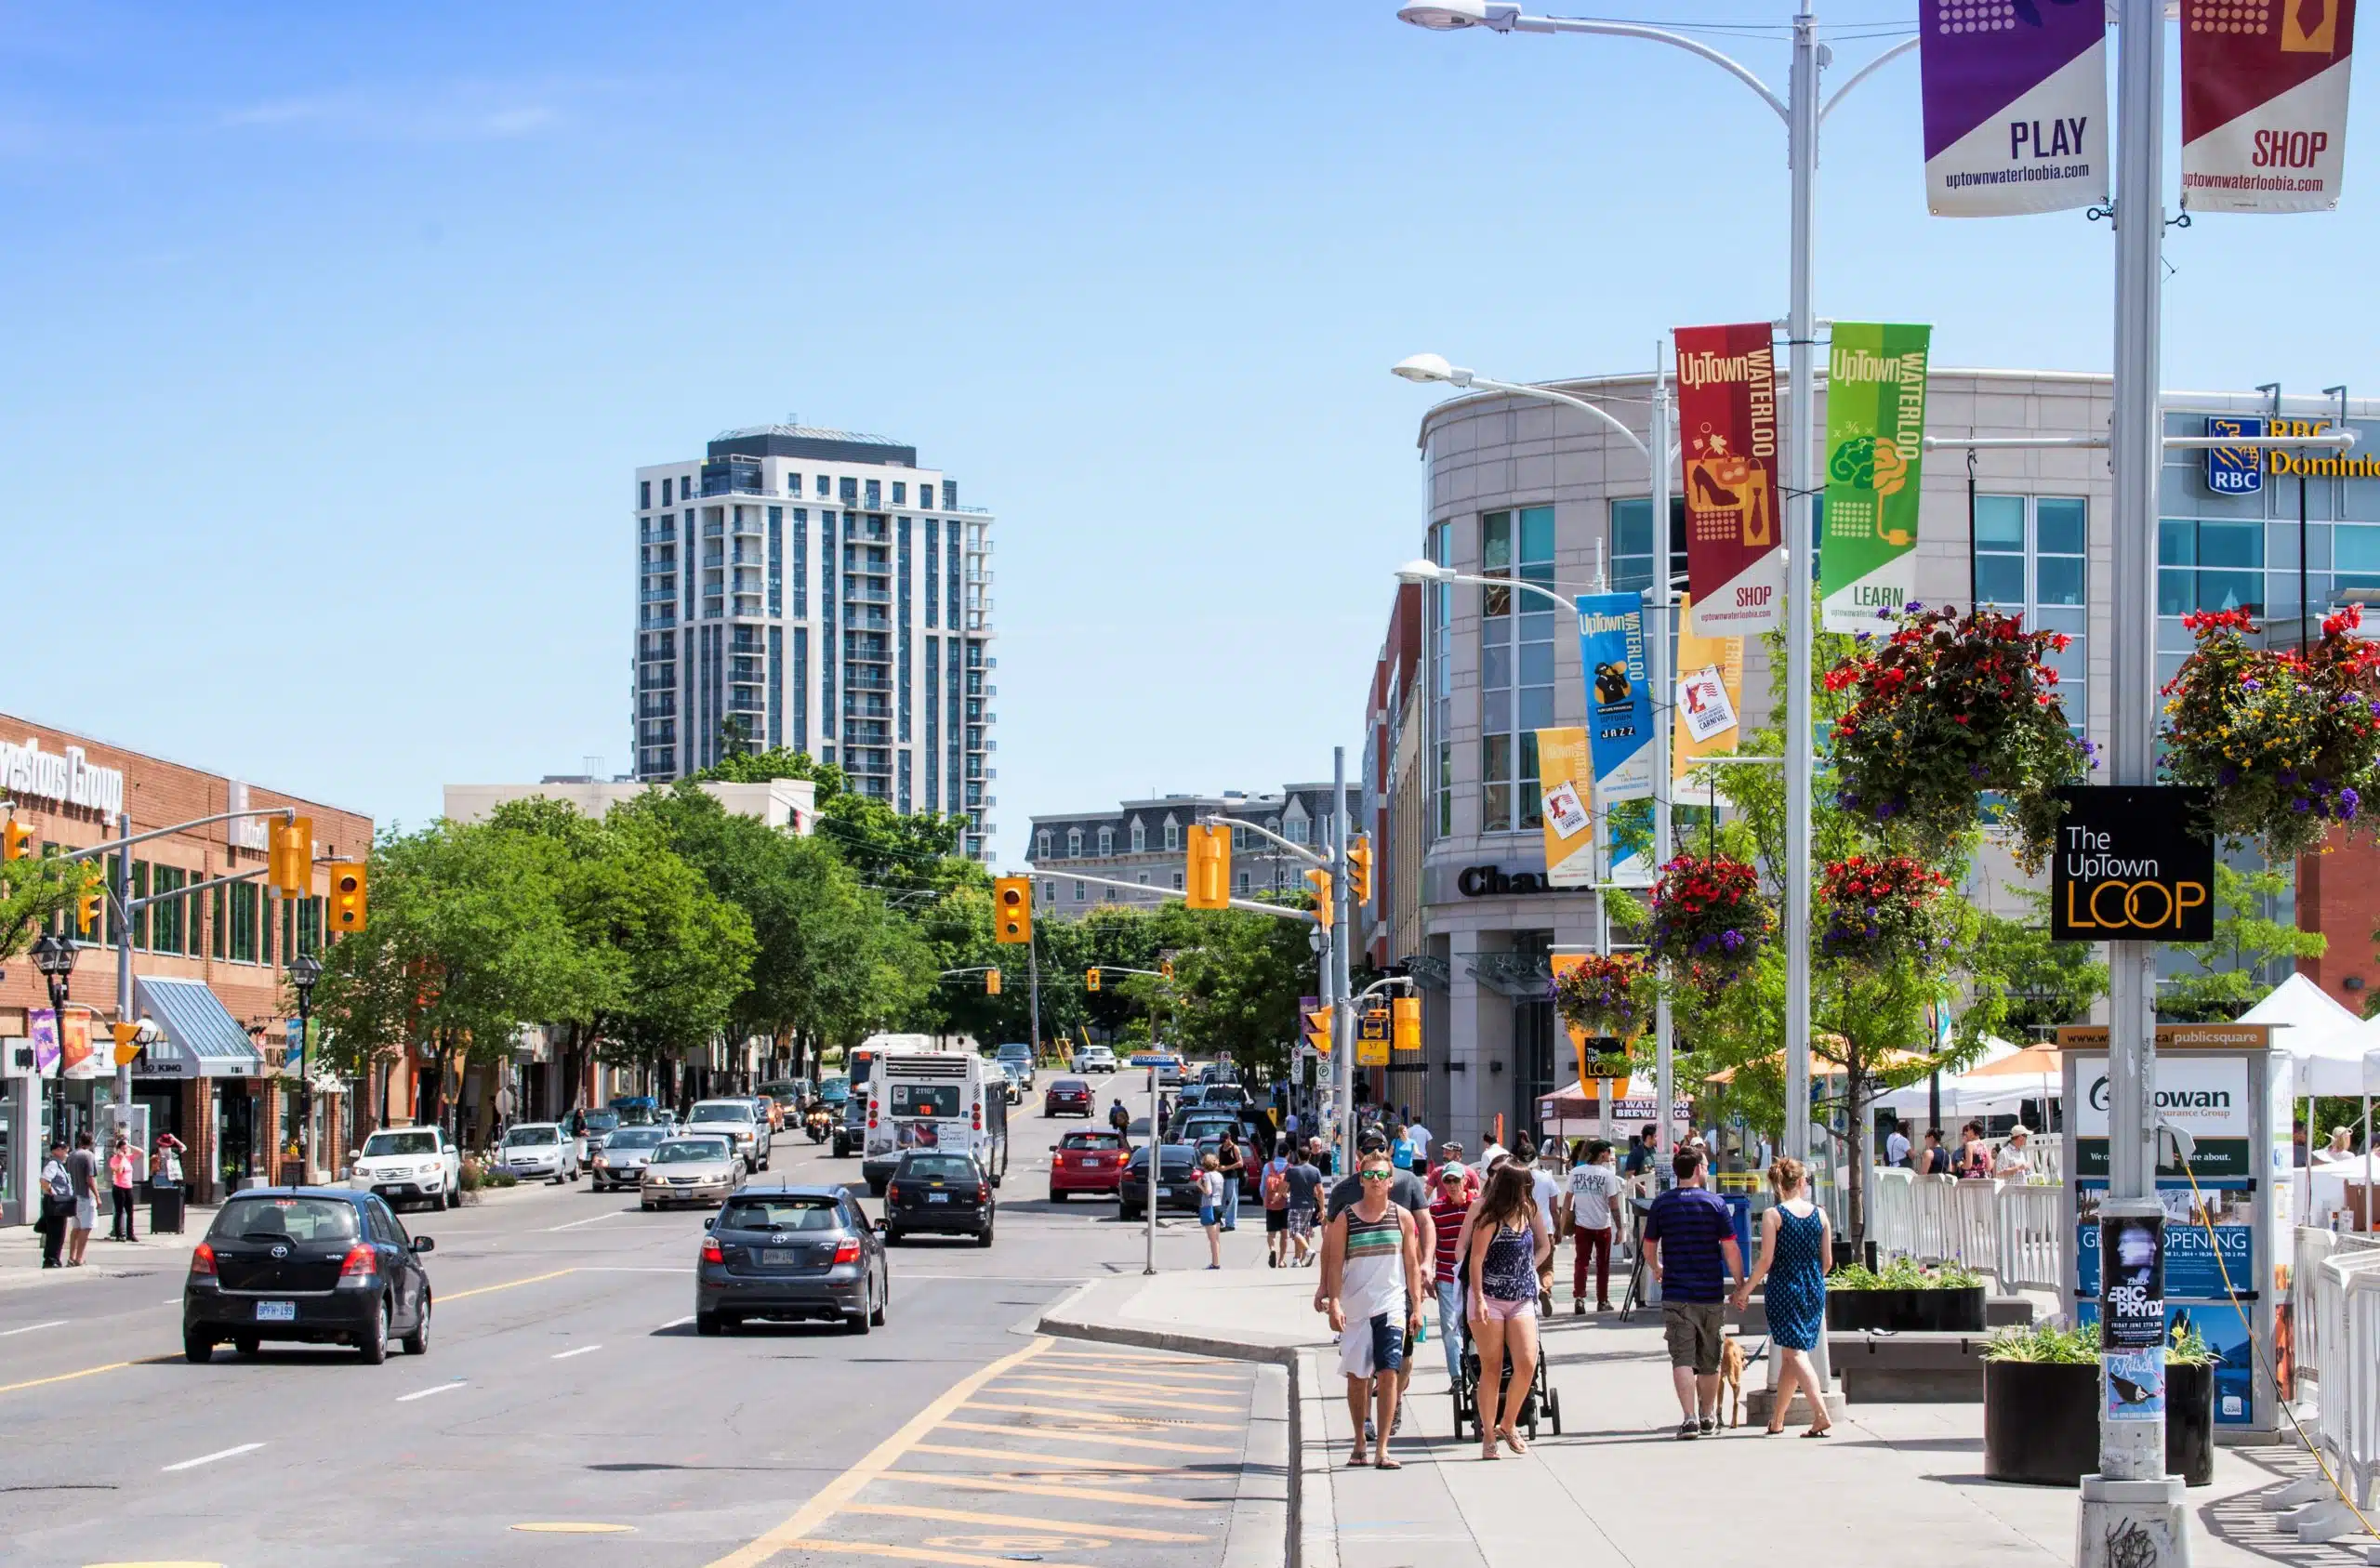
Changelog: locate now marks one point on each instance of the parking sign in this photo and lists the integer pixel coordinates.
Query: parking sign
(2235, 471)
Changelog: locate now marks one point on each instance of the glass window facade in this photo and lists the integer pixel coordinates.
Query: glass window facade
(1515, 665)
(2032, 559)
(1438, 599)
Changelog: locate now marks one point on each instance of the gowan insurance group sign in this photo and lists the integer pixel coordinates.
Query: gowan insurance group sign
(2131, 865)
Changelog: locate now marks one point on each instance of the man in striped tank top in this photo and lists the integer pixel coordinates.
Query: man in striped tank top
(1372, 1287)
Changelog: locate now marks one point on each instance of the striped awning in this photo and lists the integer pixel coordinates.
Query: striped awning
(197, 1037)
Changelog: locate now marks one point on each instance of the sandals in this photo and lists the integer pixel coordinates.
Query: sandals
(1827, 1431)
(1512, 1440)
(1386, 1463)
(1359, 1462)
(1489, 1450)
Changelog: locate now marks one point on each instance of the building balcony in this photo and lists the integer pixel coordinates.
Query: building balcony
(664, 618)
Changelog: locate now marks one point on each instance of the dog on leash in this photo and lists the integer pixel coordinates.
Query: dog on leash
(1731, 1379)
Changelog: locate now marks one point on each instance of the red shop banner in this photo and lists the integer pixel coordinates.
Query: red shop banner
(1726, 402)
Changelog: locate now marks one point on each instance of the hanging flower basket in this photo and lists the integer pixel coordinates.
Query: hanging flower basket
(1875, 909)
(2282, 741)
(1604, 995)
(1709, 918)
(1945, 707)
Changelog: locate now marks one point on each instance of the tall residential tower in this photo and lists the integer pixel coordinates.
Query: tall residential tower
(817, 589)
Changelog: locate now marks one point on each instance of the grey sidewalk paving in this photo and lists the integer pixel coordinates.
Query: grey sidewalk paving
(1895, 1483)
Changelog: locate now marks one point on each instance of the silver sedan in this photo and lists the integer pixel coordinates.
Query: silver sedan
(691, 1171)
(621, 1161)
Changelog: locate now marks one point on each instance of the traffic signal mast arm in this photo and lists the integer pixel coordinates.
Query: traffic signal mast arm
(1298, 850)
(1282, 910)
(286, 814)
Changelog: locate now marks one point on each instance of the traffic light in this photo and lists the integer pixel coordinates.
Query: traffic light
(1165, 967)
(347, 896)
(290, 861)
(127, 1042)
(991, 983)
(86, 913)
(1319, 880)
(1209, 877)
(1405, 1022)
(1091, 979)
(1012, 909)
(18, 841)
(1359, 868)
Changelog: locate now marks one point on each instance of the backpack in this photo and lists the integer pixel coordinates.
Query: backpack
(1277, 1188)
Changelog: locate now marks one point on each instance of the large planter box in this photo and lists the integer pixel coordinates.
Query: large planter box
(2041, 1422)
(1906, 1311)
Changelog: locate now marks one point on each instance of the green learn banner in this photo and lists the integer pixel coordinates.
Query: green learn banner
(1875, 428)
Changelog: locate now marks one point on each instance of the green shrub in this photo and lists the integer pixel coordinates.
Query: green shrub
(1905, 1273)
(2078, 1344)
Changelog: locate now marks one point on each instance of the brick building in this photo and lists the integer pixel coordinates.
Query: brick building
(2338, 894)
(209, 968)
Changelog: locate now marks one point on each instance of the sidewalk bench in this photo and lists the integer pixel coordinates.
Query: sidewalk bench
(1908, 1368)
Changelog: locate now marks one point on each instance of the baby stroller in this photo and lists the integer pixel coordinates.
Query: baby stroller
(1540, 1396)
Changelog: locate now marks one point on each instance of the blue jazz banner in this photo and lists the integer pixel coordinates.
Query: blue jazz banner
(1619, 698)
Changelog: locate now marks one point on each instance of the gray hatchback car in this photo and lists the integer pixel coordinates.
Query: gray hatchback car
(790, 1252)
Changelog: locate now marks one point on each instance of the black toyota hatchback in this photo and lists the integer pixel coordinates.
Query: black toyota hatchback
(321, 1265)
(933, 1190)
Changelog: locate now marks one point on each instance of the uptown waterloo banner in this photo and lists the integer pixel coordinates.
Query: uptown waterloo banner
(1567, 781)
(2015, 105)
(1727, 401)
(2264, 103)
(1875, 433)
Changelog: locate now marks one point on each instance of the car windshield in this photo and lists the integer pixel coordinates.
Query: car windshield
(526, 1137)
(634, 1137)
(722, 1114)
(401, 1143)
(1016, 1053)
(1092, 1141)
(688, 1150)
(832, 1087)
(1176, 1158)
(275, 1220)
(601, 1121)
(939, 1167)
(781, 1214)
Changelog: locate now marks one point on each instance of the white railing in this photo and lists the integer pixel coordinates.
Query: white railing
(2313, 1244)
(1975, 1237)
(1933, 1221)
(2006, 1229)
(1891, 1212)
(2344, 1326)
(2032, 1251)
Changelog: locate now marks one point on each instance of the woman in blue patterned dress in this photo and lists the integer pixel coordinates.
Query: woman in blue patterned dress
(1795, 1242)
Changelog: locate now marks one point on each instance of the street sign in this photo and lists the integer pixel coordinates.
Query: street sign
(2132, 865)
(2235, 471)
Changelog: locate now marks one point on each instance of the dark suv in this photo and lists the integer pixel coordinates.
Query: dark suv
(936, 1190)
(321, 1265)
(793, 1252)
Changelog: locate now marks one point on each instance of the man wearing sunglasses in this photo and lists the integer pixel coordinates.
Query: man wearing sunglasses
(1371, 1287)
(1404, 1191)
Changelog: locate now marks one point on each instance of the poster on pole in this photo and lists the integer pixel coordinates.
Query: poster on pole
(1566, 782)
(2264, 103)
(1726, 401)
(1709, 697)
(2015, 106)
(1619, 700)
(1875, 434)
(41, 1027)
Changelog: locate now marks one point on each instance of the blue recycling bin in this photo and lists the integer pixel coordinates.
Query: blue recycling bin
(1739, 1220)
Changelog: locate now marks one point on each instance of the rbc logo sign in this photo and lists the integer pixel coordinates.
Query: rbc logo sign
(2235, 471)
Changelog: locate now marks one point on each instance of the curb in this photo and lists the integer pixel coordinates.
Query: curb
(1313, 1513)
(1262, 1521)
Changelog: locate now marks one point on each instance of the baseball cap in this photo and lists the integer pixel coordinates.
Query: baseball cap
(1452, 1171)
(1371, 1143)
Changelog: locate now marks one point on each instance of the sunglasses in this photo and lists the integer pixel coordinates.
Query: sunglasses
(1377, 1175)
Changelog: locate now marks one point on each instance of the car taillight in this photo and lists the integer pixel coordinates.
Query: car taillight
(202, 1260)
(983, 1193)
(711, 1252)
(847, 1251)
(360, 1263)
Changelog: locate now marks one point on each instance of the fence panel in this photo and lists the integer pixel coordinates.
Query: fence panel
(2031, 1252)
(1892, 1216)
(1975, 1240)
(2313, 1244)
(1932, 1216)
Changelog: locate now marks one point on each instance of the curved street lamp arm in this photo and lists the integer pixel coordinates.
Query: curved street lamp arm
(1516, 388)
(1658, 35)
(1863, 73)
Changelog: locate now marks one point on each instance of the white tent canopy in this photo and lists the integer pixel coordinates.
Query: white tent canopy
(2337, 1052)
(1966, 1095)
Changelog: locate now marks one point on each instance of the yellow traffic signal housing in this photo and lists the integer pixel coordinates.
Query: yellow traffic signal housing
(1012, 909)
(1091, 979)
(1210, 870)
(1359, 869)
(1405, 1022)
(991, 983)
(127, 1042)
(1165, 967)
(19, 841)
(348, 894)
(86, 913)
(1320, 882)
(290, 863)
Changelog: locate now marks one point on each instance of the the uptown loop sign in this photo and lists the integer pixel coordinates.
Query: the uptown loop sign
(2132, 865)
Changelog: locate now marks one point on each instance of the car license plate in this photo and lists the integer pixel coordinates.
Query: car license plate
(937, 1197)
(773, 1260)
(276, 1311)
(1165, 1192)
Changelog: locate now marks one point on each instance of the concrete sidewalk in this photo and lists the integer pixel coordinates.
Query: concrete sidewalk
(1896, 1482)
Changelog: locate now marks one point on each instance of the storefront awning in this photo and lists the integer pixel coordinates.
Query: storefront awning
(197, 1037)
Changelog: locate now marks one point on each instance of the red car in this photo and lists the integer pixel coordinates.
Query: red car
(1087, 1161)
(1067, 1094)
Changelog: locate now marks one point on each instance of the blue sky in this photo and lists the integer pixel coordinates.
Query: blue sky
(334, 335)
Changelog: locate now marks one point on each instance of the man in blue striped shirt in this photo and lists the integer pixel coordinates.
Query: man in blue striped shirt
(1690, 1247)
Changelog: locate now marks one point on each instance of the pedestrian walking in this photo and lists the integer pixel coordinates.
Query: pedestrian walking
(1120, 1118)
(2015, 1160)
(1690, 1251)
(1509, 1244)
(1897, 1145)
(1933, 1159)
(1447, 1211)
(83, 1175)
(1273, 1190)
(1794, 1245)
(1419, 1131)
(1641, 1147)
(1372, 1288)
(124, 1170)
(1974, 1158)
(1231, 1163)
(1403, 1152)
(1593, 1201)
(1305, 1203)
(56, 1204)
(1211, 1208)
(1546, 1193)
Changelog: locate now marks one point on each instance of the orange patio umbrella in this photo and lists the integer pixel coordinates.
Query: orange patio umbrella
(2034, 1061)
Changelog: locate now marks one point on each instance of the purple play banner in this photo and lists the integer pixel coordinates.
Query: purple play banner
(2015, 105)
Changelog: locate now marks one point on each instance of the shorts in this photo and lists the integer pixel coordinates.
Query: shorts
(1209, 1216)
(1275, 1221)
(1502, 1311)
(1694, 1329)
(1301, 1221)
(87, 1214)
(1374, 1345)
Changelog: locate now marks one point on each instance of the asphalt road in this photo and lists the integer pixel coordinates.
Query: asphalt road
(567, 1413)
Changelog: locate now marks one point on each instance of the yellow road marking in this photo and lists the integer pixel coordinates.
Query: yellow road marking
(1134, 1374)
(878, 1460)
(1121, 1355)
(1119, 1380)
(65, 1377)
(962, 1516)
(576, 1527)
(1076, 1414)
(509, 1285)
(1022, 1457)
(1036, 1489)
(154, 1565)
(911, 1554)
(1108, 1439)
(1110, 1391)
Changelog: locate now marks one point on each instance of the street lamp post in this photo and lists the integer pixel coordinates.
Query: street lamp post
(304, 971)
(54, 956)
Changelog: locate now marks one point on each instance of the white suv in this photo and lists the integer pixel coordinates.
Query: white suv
(1094, 1059)
(738, 1119)
(406, 1164)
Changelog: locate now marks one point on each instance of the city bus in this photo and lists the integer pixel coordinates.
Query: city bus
(951, 1100)
(858, 1065)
